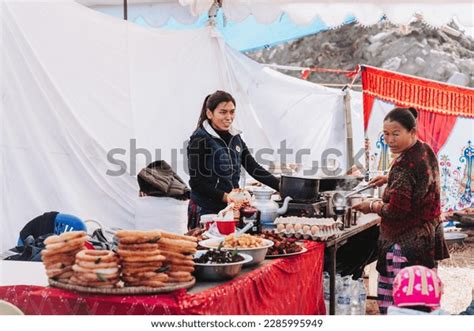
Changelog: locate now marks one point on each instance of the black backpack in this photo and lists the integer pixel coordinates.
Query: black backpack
(31, 251)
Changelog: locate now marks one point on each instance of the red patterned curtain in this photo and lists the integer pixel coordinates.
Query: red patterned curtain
(438, 104)
(434, 129)
(368, 102)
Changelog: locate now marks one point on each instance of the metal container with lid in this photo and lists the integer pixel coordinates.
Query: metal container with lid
(300, 188)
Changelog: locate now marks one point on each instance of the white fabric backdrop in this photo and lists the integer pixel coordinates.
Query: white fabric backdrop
(77, 84)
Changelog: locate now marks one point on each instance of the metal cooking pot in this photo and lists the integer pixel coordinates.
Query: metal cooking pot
(299, 188)
(328, 195)
(350, 201)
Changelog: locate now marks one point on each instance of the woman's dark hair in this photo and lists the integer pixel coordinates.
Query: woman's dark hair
(405, 116)
(211, 102)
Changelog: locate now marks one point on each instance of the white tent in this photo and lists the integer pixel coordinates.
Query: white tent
(82, 93)
(78, 85)
(302, 12)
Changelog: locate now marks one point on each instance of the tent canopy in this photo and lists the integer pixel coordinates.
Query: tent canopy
(302, 12)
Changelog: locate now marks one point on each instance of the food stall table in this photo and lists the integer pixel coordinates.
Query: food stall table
(284, 286)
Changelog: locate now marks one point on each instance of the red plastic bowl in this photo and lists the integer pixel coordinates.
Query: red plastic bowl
(226, 227)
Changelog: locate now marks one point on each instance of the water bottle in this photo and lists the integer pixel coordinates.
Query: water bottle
(355, 303)
(362, 296)
(344, 297)
(326, 291)
(337, 289)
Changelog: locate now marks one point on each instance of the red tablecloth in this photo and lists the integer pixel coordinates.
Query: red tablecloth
(285, 287)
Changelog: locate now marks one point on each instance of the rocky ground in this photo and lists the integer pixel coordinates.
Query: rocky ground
(415, 49)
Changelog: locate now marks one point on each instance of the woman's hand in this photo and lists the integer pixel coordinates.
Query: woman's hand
(378, 181)
(366, 207)
(225, 198)
(363, 207)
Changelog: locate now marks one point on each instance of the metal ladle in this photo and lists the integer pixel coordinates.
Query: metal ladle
(339, 200)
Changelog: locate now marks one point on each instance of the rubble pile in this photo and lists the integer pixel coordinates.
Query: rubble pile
(414, 49)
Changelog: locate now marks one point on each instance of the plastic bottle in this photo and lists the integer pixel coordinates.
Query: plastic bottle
(362, 296)
(326, 291)
(344, 297)
(355, 303)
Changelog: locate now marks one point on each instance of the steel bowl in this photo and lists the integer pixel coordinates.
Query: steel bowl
(452, 238)
(218, 271)
(257, 253)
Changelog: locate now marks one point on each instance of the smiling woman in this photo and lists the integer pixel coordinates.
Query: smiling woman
(216, 153)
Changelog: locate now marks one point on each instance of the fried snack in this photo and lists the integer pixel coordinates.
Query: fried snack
(173, 258)
(58, 265)
(136, 253)
(64, 277)
(144, 276)
(180, 262)
(138, 237)
(139, 247)
(179, 277)
(179, 246)
(100, 284)
(131, 265)
(144, 258)
(64, 247)
(169, 235)
(147, 256)
(96, 268)
(105, 271)
(176, 255)
(138, 270)
(178, 251)
(141, 258)
(244, 241)
(64, 258)
(177, 267)
(52, 273)
(59, 254)
(96, 256)
(93, 265)
(64, 237)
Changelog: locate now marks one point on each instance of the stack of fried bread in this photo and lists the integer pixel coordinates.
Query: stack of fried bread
(60, 252)
(96, 268)
(141, 258)
(178, 250)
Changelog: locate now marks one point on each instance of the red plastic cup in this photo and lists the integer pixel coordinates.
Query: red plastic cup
(226, 227)
(207, 220)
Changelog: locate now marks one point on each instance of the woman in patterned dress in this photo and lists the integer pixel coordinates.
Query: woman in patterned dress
(411, 231)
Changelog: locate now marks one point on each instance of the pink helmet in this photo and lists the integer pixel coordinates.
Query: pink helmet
(417, 286)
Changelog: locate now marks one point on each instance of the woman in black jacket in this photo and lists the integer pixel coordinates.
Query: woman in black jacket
(216, 151)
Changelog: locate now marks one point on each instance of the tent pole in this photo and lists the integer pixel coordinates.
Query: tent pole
(349, 135)
(125, 9)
